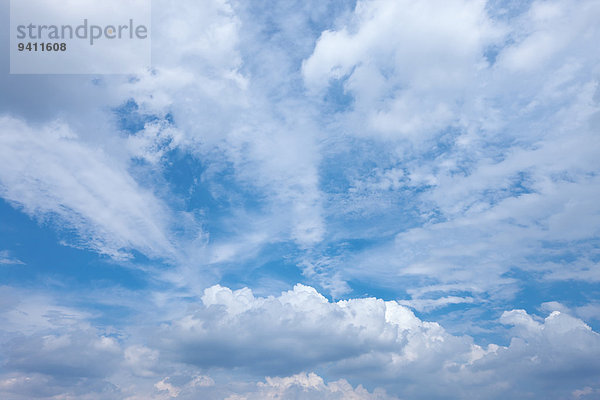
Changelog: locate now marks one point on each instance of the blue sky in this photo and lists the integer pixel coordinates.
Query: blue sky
(310, 199)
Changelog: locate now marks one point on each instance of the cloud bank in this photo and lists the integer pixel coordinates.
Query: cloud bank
(382, 343)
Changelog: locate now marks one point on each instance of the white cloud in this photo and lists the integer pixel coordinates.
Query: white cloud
(227, 342)
(7, 259)
(369, 340)
(237, 330)
(308, 386)
(407, 64)
(431, 304)
(27, 313)
(49, 173)
(548, 31)
(506, 180)
(584, 393)
(199, 77)
(520, 172)
(164, 386)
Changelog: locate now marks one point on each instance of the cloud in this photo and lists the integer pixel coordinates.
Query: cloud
(406, 64)
(268, 149)
(259, 164)
(499, 171)
(52, 350)
(431, 304)
(50, 173)
(6, 259)
(226, 344)
(235, 329)
(572, 358)
(553, 29)
(435, 150)
(369, 340)
(87, 355)
(522, 211)
(308, 386)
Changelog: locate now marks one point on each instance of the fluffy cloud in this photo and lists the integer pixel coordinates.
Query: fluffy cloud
(406, 64)
(553, 29)
(557, 354)
(369, 340)
(293, 332)
(264, 149)
(363, 341)
(308, 386)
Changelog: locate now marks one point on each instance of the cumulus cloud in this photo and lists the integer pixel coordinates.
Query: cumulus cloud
(236, 329)
(406, 64)
(308, 386)
(370, 340)
(366, 341)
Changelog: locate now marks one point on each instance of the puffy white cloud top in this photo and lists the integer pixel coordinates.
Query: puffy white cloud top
(368, 341)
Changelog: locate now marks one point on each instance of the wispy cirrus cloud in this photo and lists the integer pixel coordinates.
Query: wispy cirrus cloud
(50, 173)
(7, 259)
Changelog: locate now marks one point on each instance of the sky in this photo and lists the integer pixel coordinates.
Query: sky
(317, 199)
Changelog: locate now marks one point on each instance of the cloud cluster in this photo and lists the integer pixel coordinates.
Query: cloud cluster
(308, 386)
(223, 124)
(409, 66)
(293, 332)
(436, 149)
(368, 341)
(381, 342)
(485, 119)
